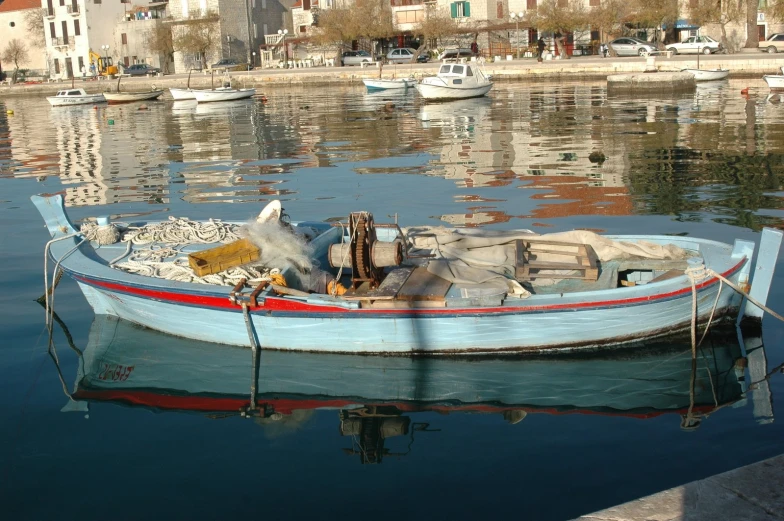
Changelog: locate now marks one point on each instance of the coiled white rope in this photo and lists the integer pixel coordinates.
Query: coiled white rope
(180, 230)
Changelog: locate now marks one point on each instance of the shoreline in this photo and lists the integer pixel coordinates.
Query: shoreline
(741, 66)
(750, 492)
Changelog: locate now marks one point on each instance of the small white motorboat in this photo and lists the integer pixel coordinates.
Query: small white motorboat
(205, 96)
(74, 97)
(128, 97)
(455, 81)
(388, 84)
(775, 81)
(708, 74)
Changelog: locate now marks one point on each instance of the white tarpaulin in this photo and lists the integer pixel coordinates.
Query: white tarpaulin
(473, 256)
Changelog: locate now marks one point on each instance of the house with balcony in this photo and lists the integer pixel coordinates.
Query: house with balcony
(75, 28)
(242, 25)
(14, 24)
(132, 33)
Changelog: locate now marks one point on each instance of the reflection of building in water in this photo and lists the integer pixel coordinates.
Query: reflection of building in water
(222, 146)
(485, 152)
(103, 163)
(30, 153)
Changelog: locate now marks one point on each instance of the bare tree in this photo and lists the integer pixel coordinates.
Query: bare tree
(437, 25)
(721, 13)
(553, 16)
(15, 52)
(198, 35)
(366, 19)
(775, 10)
(160, 41)
(34, 21)
(752, 36)
(655, 14)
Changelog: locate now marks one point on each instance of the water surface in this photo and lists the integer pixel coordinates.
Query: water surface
(378, 437)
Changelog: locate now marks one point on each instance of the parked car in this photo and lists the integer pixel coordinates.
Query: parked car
(631, 47)
(230, 64)
(405, 55)
(774, 43)
(356, 57)
(694, 45)
(140, 69)
(455, 53)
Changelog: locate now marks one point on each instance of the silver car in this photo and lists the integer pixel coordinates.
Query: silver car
(356, 57)
(631, 47)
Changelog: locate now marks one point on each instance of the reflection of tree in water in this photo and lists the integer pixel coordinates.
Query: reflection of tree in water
(687, 183)
(277, 425)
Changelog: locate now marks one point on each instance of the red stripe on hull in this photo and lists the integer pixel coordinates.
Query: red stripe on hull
(286, 305)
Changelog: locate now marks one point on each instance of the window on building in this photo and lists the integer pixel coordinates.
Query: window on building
(499, 10)
(263, 4)
(134, 60)
(264, 28)
(531, 4)
(51, 30)
(62, 2)
(255, 31)
(65, 31)
(126, 61)
(81, 64)
(460, 9)
(77, 28)
(96, 1)
(124, 39)
(306, 5)
(56, 66)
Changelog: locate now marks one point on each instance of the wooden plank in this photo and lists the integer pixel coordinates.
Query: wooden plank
(423, 285)
(528, 266)
(387, 290)
(667, 275)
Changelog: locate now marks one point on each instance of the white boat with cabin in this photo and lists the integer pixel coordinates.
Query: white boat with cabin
(455, 81)
(74, 97)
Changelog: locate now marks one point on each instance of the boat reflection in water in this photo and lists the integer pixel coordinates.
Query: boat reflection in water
(130, 365)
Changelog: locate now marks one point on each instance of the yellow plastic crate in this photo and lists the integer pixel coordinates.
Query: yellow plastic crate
(223, 257)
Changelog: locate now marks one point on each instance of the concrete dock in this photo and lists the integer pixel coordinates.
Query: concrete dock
(751, 493)
(750, 64)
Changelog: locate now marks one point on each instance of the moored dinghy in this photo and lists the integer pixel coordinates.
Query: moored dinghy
(708, 74)
(388, 84)
(455, 81)
(225, 94)
(453, 291)
(774, 81)
(128, 97)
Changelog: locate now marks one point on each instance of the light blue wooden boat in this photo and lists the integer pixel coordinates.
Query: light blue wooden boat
(377, 84)
(555, 321)
(127, 364)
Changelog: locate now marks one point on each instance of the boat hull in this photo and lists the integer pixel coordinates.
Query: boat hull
(775, 81)
(398, 84)
(182, 94)
(542, 323)
(114, 98)
(211, 96)
(708, 74)
(442, 92)
(61, 101)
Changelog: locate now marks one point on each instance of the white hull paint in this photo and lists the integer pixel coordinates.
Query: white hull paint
(429, 91)
(60, 101)
(182, 94)
(128, 97)
(378, 84)
(208, 96)
(708, 74)
(774, 81)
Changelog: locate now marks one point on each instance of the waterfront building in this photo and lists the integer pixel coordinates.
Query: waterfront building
(16, 24)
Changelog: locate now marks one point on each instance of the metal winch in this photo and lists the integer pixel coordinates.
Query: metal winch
(364, 253)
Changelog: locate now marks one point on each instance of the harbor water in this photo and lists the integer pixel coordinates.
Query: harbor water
(125, 422)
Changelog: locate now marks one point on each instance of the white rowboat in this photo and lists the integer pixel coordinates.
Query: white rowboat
(205, 96)
(708, 74)
(127, 97)
(774, 81)
(381, 84)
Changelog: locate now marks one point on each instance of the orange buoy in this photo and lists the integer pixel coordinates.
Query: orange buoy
(745, 91)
